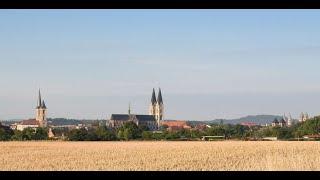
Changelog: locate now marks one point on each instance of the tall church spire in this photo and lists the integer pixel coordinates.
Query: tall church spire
(159, 109)
(160, 97)
(153, 98)
(39, 100)
(41, 112)
(43, 105)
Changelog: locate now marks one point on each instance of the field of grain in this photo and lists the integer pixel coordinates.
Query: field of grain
(224, 155)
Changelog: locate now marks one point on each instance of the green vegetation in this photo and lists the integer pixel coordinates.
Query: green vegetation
(5, 133)
(30, 134)
(130, 131)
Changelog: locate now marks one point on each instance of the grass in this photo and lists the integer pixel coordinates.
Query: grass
(219, 155)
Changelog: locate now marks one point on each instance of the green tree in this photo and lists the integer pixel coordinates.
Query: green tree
(184, 133)
(91, 135)
(143, 128)
(311, 126)
(215, 130)
(146, 135)
(17, 135)
(171, 135)
(40, 134)
(120, 134)
(60, 131)
(127, 134)
(104, 134)
(241, 131)
(284, 133)
(159, 136)
(78, 134)
(130, 131)
(195, 134)
(5, 133)
(28, 133)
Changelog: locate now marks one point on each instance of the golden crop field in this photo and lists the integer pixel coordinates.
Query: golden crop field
(222, 155)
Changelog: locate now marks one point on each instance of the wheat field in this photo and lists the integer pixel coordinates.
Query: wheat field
(185, 156)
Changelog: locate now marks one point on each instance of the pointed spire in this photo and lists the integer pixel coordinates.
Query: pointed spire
(39, 100)
(43, 105)
(129, 110)
(153, 97)
(160, 97)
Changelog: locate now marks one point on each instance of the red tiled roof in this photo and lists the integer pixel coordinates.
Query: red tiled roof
(30, 122)
(313, 136)
(174, 123)
(248, 124)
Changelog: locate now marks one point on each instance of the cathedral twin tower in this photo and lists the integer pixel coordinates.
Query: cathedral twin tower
(156, 107)
(41, 112)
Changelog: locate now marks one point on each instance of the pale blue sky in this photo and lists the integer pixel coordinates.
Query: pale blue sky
(209, 63)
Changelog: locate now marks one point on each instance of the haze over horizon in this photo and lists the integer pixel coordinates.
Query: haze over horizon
(210, 64)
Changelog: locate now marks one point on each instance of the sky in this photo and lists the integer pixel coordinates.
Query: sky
(209, 63)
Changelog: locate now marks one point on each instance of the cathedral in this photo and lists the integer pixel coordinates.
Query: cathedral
(41, 116)
(152, 121)
(156, 107)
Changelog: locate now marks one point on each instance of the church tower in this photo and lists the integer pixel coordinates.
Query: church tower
(41, 112)
(159, 109)
(289, 122)
(152, 107)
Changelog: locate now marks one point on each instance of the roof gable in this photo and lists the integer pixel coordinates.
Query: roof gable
(145, 117)
(126, 117)
(30, 122)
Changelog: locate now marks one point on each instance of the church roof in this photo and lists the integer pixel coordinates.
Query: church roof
(275, 121)
(145, 117)
(282, 121)
(120, 117)
(30, 122)
(126, 117)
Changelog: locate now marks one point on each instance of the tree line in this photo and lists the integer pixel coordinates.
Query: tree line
(130, 131)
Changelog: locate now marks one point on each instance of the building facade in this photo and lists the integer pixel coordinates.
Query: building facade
(156, 108)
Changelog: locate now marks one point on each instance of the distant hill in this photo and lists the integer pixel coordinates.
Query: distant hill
(64, 121)
(258, 119)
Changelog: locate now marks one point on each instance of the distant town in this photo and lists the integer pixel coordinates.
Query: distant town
(154, 126)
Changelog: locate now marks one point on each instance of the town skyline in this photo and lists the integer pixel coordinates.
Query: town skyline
(285, 114)
(211, 64)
